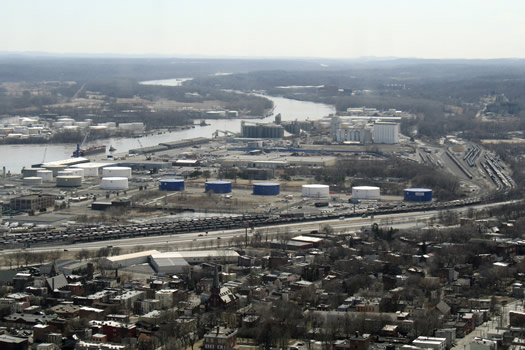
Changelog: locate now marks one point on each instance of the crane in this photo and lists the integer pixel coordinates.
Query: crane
(148, 157)
(79, 146)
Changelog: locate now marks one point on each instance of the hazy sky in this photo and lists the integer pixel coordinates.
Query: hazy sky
(321, 28)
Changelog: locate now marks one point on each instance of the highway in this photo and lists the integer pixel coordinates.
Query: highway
(220, 238)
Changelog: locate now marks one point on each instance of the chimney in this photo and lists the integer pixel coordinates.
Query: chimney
(90, 270)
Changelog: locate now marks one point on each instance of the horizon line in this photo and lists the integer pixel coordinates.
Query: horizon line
(37, 54)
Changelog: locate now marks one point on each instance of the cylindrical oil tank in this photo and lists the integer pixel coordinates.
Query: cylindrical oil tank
(69, 181)
(417, 194)
(171, 185)
(114, 183)
(218, 186)
(316, 191)
(76, 171)
(117, 171)
(55, 168)
(266, 189)
(64, 173)
(30, 172)
(46, 175)
(32, 181)
(365, 192)
(87, 168)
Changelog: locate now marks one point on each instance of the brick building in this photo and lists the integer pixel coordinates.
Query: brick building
(35, 203)
(220, 339)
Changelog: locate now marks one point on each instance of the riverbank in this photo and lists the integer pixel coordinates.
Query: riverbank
(24, 155)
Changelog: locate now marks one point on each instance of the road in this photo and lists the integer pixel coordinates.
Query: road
(215, 238)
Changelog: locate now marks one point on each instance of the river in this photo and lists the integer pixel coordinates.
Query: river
(15, 157)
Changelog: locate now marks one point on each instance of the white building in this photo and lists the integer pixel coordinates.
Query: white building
(483, 344)
(125, 260)
(201, 256)
(430, 343)
(169, 263)
(386, 132)
(165, 297)
(128, 298)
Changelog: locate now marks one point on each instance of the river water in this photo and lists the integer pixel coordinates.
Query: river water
(15, 157)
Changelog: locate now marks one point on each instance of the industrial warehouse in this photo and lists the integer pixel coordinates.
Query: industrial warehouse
(171, 262)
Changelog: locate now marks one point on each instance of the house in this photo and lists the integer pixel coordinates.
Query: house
(220, 339)
(356, 342)
(430, 343)
(19, 319)
(116, 331)
(8, 342)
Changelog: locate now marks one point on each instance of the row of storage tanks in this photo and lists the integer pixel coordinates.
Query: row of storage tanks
(222, 187)
(113, 178)
(310, 190)
(260, 188)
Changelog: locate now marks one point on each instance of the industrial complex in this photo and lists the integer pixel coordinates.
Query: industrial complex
(269, 168)
(188, 240)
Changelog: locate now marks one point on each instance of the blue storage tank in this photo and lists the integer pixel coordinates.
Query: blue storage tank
(266, 189)
(418, 194)
(171, 185)
(218, 186)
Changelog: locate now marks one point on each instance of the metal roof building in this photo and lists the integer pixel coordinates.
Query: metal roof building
(200, 256)
(170, 262)
(128, 259)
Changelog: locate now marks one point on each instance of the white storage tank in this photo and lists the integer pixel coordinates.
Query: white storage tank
(55, 168)
(90, 169)
(64, 173)
(82, 125)
(68, 181)
(32, 181)
(316, 191)
(117, 171)
(30, 172)
(46, 175)
(76, 171)
(365, 192)
(114, 183)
